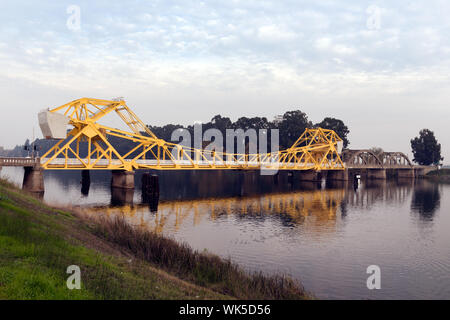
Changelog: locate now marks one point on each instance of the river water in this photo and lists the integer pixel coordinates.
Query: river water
(324, 235)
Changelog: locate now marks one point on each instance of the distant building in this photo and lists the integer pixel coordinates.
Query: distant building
(2, 150)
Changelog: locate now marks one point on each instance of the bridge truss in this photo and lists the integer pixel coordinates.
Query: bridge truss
(315, 149)
(368, 159)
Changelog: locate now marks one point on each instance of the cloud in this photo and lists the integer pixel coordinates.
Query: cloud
(274, 34)
(256, 55)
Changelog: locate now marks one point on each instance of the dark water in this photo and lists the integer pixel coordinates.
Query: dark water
(324, 235)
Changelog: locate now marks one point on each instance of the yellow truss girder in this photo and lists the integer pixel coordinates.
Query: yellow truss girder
(315, 149)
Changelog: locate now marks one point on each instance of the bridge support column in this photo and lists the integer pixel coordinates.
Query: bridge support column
(376, 174)
(275, 178)
(405, 173)
(248, 181)
(33, 179)
(121, 196)
(338, 175)
(309, 175)
(85, 182)
(122, 179)
(250, 176)
(420, 172)
(150, 190)
(150, 185)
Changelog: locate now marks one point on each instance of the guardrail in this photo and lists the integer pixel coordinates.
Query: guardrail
(19, 162)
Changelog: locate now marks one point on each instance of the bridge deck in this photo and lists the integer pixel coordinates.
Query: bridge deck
(104, 164)
(18, 162)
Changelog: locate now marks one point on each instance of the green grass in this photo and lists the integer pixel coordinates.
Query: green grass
(198, 267)
(36, 249)
(38, 243)
(32, 260)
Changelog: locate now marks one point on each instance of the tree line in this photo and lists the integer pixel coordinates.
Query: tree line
(290, 125)
(426, 149)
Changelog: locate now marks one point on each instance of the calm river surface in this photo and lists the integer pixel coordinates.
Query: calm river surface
(326, 236)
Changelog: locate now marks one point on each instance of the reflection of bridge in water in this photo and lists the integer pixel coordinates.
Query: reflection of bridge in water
(311, 207)
(88, 146)
(317, 210)
(382, 190)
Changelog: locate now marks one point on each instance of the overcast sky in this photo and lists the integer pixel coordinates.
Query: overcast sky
(380, 66)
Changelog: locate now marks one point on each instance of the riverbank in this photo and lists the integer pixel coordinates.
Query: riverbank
(442, 175)
(38, 243)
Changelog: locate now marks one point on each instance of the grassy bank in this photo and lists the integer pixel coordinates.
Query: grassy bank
(442, 175)
(38, 243)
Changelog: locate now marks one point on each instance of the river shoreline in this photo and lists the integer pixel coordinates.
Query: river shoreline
(116, 260)
(442, 175)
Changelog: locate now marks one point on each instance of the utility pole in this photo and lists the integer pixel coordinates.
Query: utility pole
(32, 145)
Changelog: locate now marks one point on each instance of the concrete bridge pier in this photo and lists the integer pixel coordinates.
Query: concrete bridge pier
(422, 171)
(337, 178)
(250, 177)
(121, 196)
(310, 175)
(338, 175)
(33, 179)
(406, 173)
(276, 178)
(246, 181)
(122, 179)
(376, 174)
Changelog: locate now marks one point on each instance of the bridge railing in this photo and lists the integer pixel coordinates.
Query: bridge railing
(18, 162)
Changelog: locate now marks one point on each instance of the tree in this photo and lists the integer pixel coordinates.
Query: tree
(292, 126)
(221, 123)
(426, 149)
(337, 126)
(256, 123)
(377, 151)
(165, 132)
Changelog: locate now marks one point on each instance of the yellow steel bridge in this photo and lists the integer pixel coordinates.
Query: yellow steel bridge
(315, 149)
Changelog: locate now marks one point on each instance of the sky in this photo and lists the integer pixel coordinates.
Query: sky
(380, 66)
